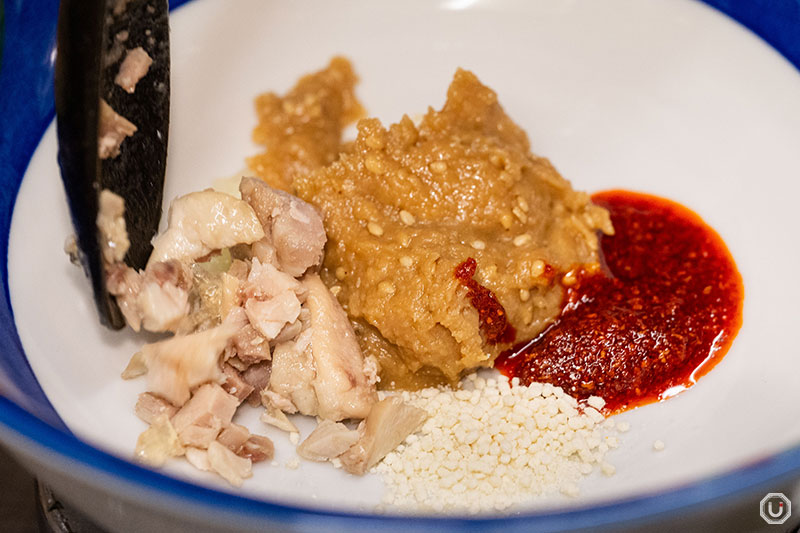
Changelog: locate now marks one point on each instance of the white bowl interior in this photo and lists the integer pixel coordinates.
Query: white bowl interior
(670, 98)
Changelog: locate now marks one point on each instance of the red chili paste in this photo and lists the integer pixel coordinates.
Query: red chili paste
(491, 313)
(664, 313)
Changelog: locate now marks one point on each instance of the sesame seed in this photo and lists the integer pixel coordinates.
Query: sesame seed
(658, 445)
(520, 214)
(523, 204)
(478, 245)
(340, 273)
(506, 220)
(524, 295)
(438, 167)
(386, 287)
(537, 268)
(375, 141)
(374, 228)
(407, 218)
(374, 164)
(607, 468)
(522, 240)
(406, 261)
(569, 279)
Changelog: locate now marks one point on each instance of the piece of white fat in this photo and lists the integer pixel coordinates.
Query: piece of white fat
(133, 68)
(203, 221)
(111, 225)
(328, 441)
(270, 316)
(158, 443)
(112, 129)
(178, 364)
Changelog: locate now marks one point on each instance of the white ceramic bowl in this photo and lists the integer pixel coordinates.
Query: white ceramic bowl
(672, 98)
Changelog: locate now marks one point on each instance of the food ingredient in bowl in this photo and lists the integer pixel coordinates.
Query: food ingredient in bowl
(302, 131)
(495, 444)
(404, 206)
(664, 315)
(133, 68)
(113, 128)
(235, 280)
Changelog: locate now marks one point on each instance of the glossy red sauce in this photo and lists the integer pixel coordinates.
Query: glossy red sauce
(491, 314)
(664, 313)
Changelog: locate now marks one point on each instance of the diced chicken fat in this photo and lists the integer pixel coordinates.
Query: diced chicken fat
(133, 68)
(113, 128)
(328, 441)
(158, 443)
(389, 422)
(178, 364)
(111, 225)
(231, 467)
(269, 317)
(203, 221)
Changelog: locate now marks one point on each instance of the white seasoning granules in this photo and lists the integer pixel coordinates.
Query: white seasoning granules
(494, 444)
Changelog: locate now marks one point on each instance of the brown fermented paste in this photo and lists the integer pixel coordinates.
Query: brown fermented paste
(405, 206)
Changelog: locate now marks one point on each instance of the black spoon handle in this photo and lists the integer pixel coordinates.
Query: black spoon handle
(93, 37)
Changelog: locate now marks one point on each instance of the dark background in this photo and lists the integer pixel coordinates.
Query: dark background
(17, 497)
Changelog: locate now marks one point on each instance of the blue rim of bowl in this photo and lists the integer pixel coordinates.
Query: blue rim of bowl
(21, 127)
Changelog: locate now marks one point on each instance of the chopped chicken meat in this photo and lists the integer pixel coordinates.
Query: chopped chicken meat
(234, 384)
(156, 300)
(133, 68)
(250, 346)
(273, 415)
(257, 448)
(295, 226)
(389, 422)
(180, 363)
(343, 385)
(112, 128)
(227, 464)
(111, 225)
(269, 317)
(293, 373)
(328, 441)
(233, 437)
(265, 281)
(208, 411)
(149, 407)
(203, 221)
(158, 443)
(198, 458)
(126, 284)
(135, 368)
(257, 375)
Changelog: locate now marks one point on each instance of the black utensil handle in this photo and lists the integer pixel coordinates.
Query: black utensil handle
(77, 94)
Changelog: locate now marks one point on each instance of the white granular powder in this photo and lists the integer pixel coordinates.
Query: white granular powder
(494, 444)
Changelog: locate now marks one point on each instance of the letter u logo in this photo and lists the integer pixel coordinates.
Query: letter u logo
(771, 512)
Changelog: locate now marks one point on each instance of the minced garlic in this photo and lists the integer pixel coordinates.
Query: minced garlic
(495, 443)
